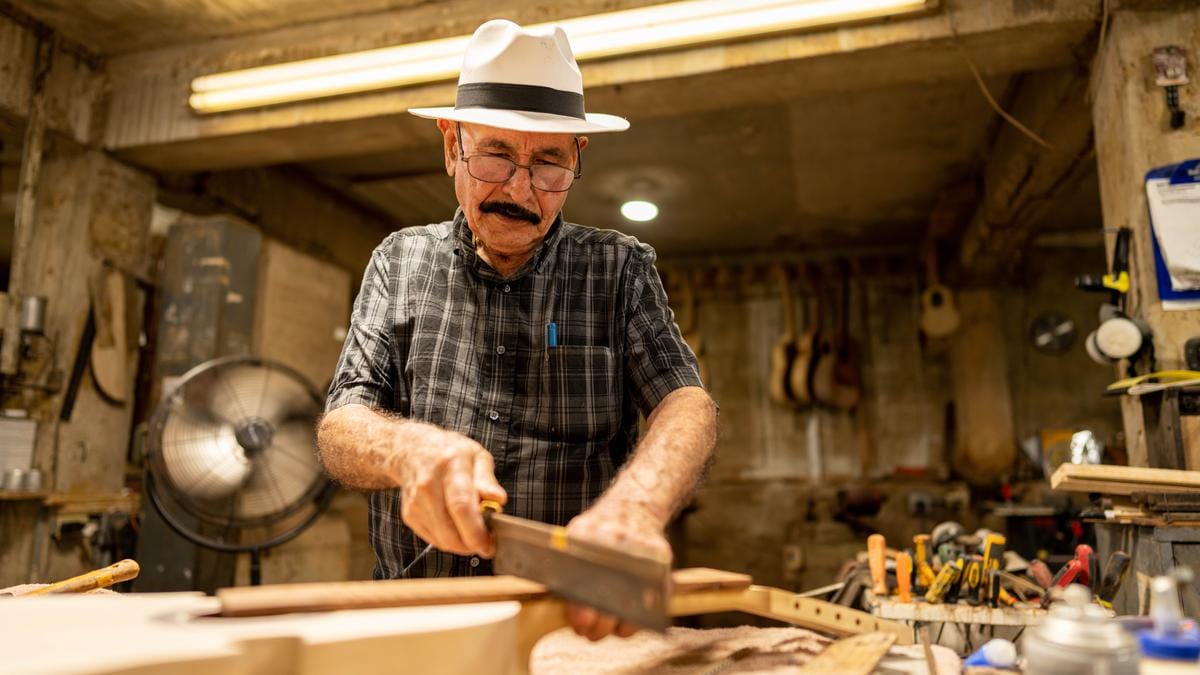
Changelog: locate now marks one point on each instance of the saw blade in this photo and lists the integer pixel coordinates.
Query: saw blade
(630, 587)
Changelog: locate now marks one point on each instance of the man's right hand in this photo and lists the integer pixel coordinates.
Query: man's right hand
(444, 475)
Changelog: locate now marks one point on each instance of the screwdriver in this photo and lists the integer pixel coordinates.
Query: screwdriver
(875, 557)
(904, 565)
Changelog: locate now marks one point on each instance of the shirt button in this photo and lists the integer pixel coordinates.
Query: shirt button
(506, 288)
(493, 415)
(500, 349)
(474, 561)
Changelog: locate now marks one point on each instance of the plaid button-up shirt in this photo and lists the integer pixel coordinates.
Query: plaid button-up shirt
(438, 336)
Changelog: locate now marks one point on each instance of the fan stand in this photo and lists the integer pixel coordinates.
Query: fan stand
(255, 550)
(256, 436)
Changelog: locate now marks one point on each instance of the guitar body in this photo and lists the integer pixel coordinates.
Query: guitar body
(847, 380)
(821, 379)
(800, 374)
(939, 315)
(779, 386)
(836, 381)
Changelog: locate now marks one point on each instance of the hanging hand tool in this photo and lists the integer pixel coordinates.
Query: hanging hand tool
(876, 545)
(1116, 283)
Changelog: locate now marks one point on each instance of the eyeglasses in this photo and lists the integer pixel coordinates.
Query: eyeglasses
(497, 169)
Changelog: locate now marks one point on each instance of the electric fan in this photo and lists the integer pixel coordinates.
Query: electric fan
(232, 462)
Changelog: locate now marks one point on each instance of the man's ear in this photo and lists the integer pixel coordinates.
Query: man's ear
(449, 145)
(583, 141)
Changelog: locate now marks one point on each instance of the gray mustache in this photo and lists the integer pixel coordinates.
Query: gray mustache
(510, 211)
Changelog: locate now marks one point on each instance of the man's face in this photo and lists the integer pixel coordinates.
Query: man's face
(510, 218)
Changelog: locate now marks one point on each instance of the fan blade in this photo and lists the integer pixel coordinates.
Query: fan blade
(249, 392)
(282, 473)
(233, 393)
(203, 459)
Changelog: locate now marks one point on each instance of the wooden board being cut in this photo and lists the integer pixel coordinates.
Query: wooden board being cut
(1122, 480)
(284, 598)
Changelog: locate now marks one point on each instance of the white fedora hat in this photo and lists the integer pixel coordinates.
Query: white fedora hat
(524, 80)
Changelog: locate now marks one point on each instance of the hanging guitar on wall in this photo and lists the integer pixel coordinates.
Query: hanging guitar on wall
(784, 351)
(836, 380)
(939, 315)
(808, 345)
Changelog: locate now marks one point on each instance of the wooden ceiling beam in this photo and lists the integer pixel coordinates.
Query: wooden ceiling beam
(1022, 178)
(150, 124)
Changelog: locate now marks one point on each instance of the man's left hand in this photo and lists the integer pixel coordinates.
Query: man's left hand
(626, 525)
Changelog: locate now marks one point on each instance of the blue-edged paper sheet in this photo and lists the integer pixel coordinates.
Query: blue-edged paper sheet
(1173, 197)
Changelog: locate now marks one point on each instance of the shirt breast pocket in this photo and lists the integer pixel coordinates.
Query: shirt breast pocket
(584, 390)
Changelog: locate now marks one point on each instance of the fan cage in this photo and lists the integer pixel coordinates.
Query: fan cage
(216, 523)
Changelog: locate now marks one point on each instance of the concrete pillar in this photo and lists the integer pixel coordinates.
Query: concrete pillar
(1133, 135)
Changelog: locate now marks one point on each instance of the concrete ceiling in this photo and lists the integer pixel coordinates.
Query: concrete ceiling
(847, 150)
(120, 26)
(113, 27)
(863, 167)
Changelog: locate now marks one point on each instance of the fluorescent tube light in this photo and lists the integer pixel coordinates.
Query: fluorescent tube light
(630, 31)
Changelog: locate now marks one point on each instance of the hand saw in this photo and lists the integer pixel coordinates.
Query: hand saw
(631, 587)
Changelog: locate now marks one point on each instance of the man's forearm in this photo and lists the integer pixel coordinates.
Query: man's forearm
(671, 458)
(359, 447)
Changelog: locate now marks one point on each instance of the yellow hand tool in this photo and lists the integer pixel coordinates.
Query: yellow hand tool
(925, 574)
(993, 551)
(950, 574)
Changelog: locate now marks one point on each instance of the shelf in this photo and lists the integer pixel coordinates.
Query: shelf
(65, 503)
(21, 496)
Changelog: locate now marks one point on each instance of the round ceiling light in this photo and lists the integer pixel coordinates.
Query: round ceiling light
(639, 211)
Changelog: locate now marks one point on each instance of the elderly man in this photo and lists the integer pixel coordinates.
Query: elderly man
(506, 354)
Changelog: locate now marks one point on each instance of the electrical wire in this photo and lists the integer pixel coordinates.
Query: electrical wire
(987, 94)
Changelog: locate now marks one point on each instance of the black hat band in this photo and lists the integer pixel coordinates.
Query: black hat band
(524, 97)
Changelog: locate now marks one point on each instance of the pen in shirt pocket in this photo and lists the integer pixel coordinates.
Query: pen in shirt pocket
(551, 334)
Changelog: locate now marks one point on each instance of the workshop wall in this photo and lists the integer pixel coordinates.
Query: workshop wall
(1133, 136)
(91, 214)
(763, 508)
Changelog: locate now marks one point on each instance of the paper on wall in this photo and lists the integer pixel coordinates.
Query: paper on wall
(1173, 197)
